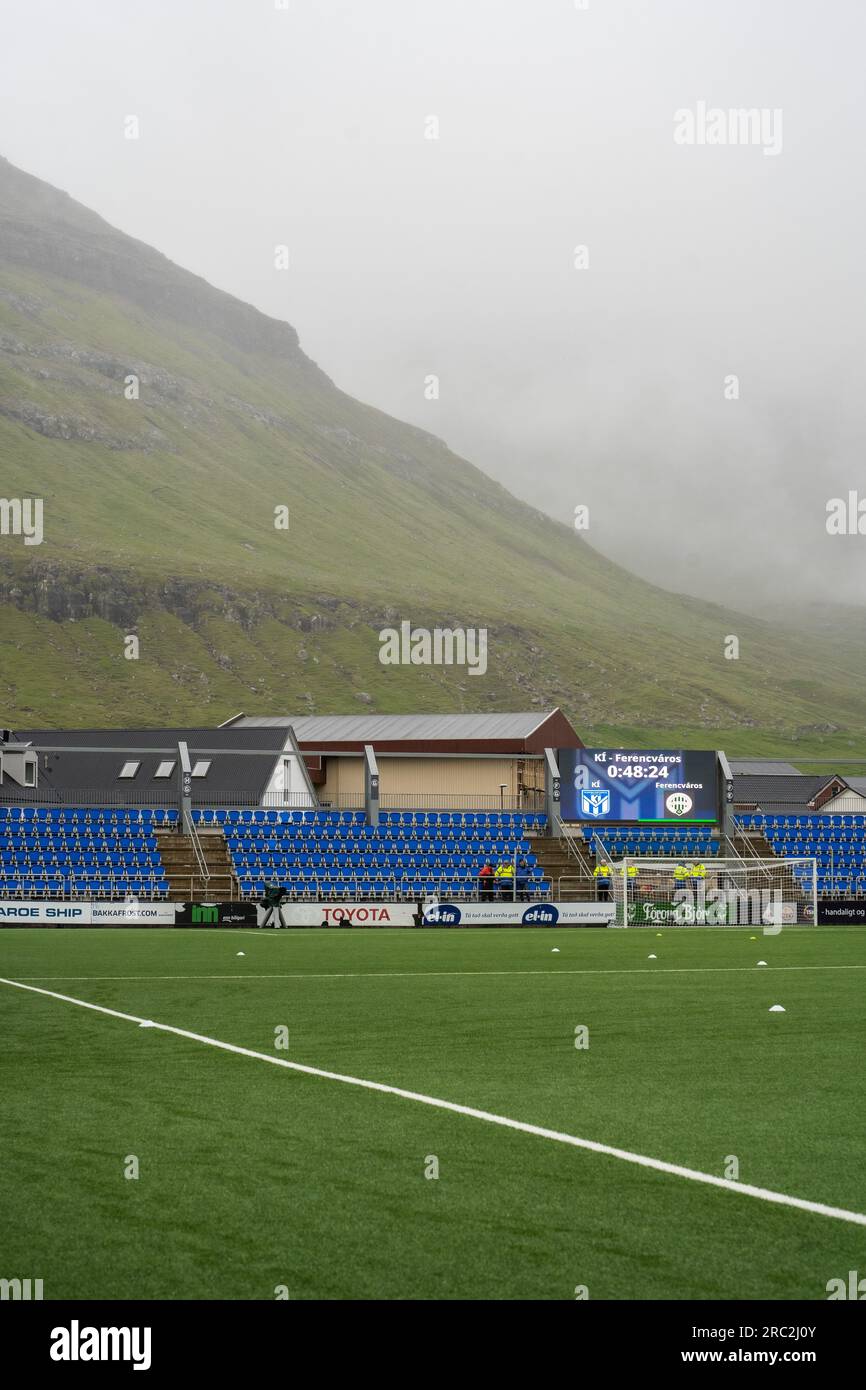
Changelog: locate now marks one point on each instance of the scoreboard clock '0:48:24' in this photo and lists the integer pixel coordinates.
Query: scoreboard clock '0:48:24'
(637, 771)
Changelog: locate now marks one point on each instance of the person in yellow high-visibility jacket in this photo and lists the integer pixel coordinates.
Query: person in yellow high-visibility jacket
(681, 874)
(601, 874)
(504, 878)
(699, 871)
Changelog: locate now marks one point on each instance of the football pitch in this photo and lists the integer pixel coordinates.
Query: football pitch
(179, 1161)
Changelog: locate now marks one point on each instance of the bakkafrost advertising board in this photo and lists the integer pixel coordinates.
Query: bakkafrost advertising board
(132, 914)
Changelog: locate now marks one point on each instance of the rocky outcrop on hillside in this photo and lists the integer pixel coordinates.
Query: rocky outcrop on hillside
(76, 427)
(45, 229)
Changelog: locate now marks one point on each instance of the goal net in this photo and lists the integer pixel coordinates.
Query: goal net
(765, 893)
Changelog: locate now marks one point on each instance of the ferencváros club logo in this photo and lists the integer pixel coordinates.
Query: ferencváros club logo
(595, 803)
(679, 804)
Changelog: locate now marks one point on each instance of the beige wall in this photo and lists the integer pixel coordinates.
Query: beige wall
(433, 776)
(845, 802)
(342, 775)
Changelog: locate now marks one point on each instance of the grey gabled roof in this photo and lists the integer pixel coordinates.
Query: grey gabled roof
(392, 728)
(780, 792)
(90, 760)
(762, 767)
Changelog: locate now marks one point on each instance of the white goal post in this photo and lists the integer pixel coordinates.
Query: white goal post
(714, 892)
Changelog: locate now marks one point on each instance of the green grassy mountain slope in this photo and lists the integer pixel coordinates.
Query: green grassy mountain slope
(159, 521)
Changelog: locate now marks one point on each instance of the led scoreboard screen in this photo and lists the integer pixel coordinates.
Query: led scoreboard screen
(615, 784)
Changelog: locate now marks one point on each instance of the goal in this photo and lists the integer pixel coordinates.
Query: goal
(765, 893)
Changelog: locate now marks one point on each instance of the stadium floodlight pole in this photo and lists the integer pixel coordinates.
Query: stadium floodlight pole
(727, 820)
(371, 785)
(832, 869)
(552, 790)
(185, 783)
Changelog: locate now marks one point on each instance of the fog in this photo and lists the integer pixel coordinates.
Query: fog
(607, 386)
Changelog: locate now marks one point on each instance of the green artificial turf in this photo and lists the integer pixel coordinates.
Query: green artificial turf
(254, 1177)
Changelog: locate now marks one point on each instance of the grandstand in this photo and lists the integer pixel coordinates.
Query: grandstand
(325, 854)
(838, 843)
(821, 817)
(372, 808)
(220, 814)
(89, 852)
(688, 842)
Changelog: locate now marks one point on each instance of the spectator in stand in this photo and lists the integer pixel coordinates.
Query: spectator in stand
(504, 877)
(521, 879)
(485, 881)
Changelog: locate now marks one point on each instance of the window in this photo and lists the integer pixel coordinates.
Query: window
(129, 769)
(165, 769)
(30, 772)
(201, 768)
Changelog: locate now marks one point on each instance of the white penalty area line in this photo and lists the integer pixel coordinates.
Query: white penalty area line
(448, 974)
(763, 1194)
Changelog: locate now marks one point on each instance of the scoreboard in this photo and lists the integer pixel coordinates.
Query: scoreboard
(616, 784)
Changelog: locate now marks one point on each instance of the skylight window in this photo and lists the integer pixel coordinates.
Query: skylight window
(129, 770)
(165, 769)
(201, 768)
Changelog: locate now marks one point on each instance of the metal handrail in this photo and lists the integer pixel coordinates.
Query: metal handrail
(571, 844)
(576, 878)
(601, 852)
(732, 848)
(530, 799)
(208, 889)
(398, 890)
(735, 854)
(192, 833)
(760, 862)
(107, 888)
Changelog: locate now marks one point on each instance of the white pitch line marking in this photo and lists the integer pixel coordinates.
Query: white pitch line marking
(446, 974)
(763, 1194)
(389, 933)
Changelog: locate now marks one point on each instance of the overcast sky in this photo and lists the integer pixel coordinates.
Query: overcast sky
(601, 386)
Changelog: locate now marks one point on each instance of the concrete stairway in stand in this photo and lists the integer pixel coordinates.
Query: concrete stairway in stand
(558, 863)
(186, 883)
